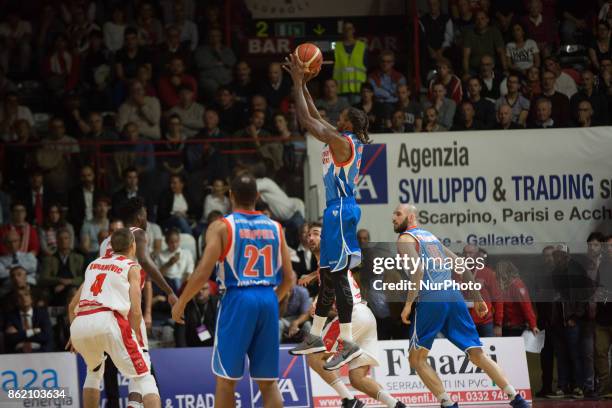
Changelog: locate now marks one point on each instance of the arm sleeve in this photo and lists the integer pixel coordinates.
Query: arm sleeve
(526, 306)
(496, 298)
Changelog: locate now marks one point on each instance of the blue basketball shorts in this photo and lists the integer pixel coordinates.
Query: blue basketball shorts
(339, 235)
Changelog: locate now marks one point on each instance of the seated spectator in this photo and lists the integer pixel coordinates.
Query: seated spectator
(292, 141)
(172, 48)
(596, 98)
(18, 281)
(171, 83)
(437, 35)
(543, 115)
(600, 47)
(114, 29)
(413, 113)
(430, 121)
(563, 82)
(306, 262)
(154, 239)
(532, 86)
(27, 236)
(518, 310)
(190, 112)
(560, 103)
(73, 114)
(522, 53)
(150, 31)
(371, 107)
(260, 104)
(61, 68)
(445, 107)
(484, 108)
(200, 320)
(217, 200)
(504, 118)
(208, 155)
(229, 110)
(143, 110)
(450, 81)
(491, 89)
(131, 188)
(540, 27)
(174, 149)
(16, 37)
(97, 131)
(174, 262)
(254, 130)
(397, 124)
(144, 74)
(139, 154)
(294, 314)
(467, 119)
(56, 157)
(92, 227)
(129, 58)
(176, 207)
(28, 329)
(188, 30)
(331, 102)
(482, 40)
(35, 197)
(63, 270)
(243, 86)
(13, 257)
(48, 232)
(277, 87)
(584, 114)
(79, 30)
(214, 63)
(386, 79)
(82, 198)
(10, 112)
(519, 104)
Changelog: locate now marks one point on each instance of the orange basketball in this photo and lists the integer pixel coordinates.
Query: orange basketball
(311, 56)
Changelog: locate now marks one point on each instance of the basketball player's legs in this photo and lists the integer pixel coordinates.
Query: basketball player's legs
(316, 362)
(86, 334)
(270, 393)
(224, 393)
(418, 360)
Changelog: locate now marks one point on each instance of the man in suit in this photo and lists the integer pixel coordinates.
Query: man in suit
(176, 206)
(62, 270)
(36, 198)
(82, 198)
(200, 321)
(27, 329)
(130, 189)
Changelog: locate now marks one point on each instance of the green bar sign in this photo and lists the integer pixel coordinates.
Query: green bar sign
(289, 29)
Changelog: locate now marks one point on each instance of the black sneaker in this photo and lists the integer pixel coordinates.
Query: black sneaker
(310, 345)
(559, 394)
(352, 403)
(347, 352)
(400, 404)
(577, 393)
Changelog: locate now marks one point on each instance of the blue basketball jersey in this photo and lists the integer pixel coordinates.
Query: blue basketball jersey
(253, 253)
(339, 178)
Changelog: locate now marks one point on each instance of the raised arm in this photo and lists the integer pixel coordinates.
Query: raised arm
(144, 259)
(312, 109)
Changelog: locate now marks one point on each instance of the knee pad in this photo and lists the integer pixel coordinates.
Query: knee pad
(146, 384)
(94, 377)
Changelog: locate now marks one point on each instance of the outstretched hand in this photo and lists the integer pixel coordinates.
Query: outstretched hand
(295, 68)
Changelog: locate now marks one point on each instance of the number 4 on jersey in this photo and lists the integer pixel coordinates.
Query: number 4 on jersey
(96, 287)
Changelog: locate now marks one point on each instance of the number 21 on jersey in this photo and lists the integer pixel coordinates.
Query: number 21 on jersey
(252, 255)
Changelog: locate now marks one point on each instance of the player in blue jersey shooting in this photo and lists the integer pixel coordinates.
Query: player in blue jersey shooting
(441, 311)
(339, 247)
(250, 251)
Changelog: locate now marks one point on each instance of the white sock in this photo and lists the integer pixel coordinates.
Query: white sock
(510, 391)
(134, 404)
(346, 331)
(386, 398)
(318, 323)
(341, 389)
(445, 400)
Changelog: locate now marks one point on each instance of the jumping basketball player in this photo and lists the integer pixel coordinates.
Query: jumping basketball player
(250, 251)
(441, 311)
(105, 317)
(339, 247)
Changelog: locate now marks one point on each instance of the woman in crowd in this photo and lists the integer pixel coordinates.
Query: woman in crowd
(518, 311)
(522, 53)
(371, 107)
(54, 222)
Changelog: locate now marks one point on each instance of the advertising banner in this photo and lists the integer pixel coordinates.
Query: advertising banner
(322, 8)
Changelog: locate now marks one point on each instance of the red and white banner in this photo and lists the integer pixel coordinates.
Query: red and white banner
(462, 380)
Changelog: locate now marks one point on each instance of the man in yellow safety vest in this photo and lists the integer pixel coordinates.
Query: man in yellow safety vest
(350, 64)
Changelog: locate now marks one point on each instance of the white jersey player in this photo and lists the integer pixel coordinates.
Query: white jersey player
(105, 317)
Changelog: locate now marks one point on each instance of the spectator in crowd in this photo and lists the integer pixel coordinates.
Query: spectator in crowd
(144, 74)
(17, 282)
(386, 79)
(504, 118)
(229, 110)
(350, 64)
(491, 89)
(190, 112)
(600, 46)
(331, 102)
(430, 121)
(154, 239)
(187, 28)
(92, 227)
(138, 154)
(451, 82)
(200, 320)
(596, 98)
(372, 108)
(445, 107)
(559, 102)
(522, 53)
(243, 86)
(16, 37)
(51, 25)
(131, 188)
(150, 31)
(96, 131)
(305, 262)
(260, 104)
(576, 19)
(540, 27)
(28, 329)
(467, 119)
(171, 83)
(176, 206)
(436, 33)
(519, 104)
(292, 141)
(564, 83)
(363, 237)
(217, 200)
(144, 111)
(175, 263)
(63, 270)
(209, 155)
(10, 112)
(413, 112)
(603, 320)
(585, 114)
(294, 313)
(79, 30)
(397, 123)
(544, 292)
(14, 256)
(132, 56)
(172, 47)
(483, 108)
(277, 88)
(82, 198)
(27, 236)
(73, 114)
(543, 115)
(61, 68)
(532, 86)
(36, 198)
(480, 41)
(214, 62)
(49, 230)
(518, 312)
(114, 29)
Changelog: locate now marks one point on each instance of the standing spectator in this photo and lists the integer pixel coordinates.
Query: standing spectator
(229, 110)
(188, 30)
(61, 69)
(214, 62)
(49, 230)
(467, 119)
(372, 108)
(445, 107)
(576, 21)
(277, 88)
(543, 115)
(519, 104)
(63, 270)
(10, 112)
(596, 98)
(413, 112)
(114, 29)
(559, 102)
(523, 53)
(176, 78)
(386, 79)
(603, 327)
(540, 27)
(436, 33)
(482, 40)
(243, 86)
(28, 329)
(200, 320)
(176, 206)
(82, 198)
(294, 313)
(518, 312)
(92, 227)
(175, 263)
(350, 63)
(130, 57)
(143, 110)
(16, 38)
(331, 102)
(600, 46)
(451, 82)
(483, 108)
(504, 118)
(190, 112)
(491, 83)
(563, 82)
(430, 121)
(27, 235)
(14, 256)
(584, 114)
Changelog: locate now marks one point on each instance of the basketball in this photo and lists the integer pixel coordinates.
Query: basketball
(311, 56)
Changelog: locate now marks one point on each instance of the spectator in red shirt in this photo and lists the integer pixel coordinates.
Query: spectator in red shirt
(169, 84)
(451, 82)
(518, 311)
(28, 235)
(540, 27)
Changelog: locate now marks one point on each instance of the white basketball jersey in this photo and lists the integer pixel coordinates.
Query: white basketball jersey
(105, 247)
(106, 285)
(354, 288)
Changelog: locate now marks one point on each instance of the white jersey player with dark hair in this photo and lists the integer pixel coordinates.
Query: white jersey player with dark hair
(105, 316)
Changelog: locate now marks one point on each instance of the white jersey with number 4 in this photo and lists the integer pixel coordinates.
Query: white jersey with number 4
(106, 285)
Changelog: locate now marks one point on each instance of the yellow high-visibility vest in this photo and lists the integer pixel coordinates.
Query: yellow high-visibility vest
(349, 70)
